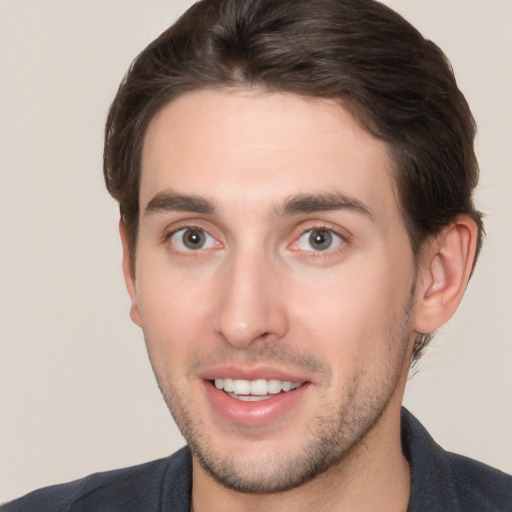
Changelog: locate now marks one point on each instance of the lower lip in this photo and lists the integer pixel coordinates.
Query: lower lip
(253, 414)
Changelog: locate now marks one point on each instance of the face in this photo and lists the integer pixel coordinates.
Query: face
(273, 282)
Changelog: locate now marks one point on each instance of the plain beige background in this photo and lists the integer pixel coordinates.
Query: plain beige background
(77, 393)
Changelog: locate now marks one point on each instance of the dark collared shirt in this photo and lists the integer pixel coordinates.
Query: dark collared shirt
(441, 482)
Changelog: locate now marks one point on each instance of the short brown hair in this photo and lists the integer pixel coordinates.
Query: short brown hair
(397, 84)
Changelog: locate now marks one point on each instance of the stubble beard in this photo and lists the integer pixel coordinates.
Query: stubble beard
(332, 435)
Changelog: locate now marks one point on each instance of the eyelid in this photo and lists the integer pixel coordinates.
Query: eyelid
(179, 243)
(336, 240)
(193, 225)
(341, 233)
(197, 224)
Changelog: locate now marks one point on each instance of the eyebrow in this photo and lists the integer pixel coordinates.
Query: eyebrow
(303, 203)
(311, 203)
(170, 201)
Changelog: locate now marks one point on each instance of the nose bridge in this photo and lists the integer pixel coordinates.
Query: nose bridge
(249, 307)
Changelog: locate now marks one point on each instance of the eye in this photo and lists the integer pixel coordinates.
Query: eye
(189, 239)
(319, 240)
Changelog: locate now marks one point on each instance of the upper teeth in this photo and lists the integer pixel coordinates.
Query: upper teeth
(258, 387)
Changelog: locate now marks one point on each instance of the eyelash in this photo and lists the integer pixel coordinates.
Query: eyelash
(332, 238)
(337, 238)
(189, 227)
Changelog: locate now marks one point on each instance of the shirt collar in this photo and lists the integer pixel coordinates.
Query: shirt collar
(432, 482)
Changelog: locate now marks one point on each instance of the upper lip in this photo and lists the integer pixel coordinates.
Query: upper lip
(250, 373)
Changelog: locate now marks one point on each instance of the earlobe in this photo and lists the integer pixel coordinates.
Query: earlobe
(446, 269)
(129, 274)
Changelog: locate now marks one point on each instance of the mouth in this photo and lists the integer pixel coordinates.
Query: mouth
(254, 390)
(256, 401)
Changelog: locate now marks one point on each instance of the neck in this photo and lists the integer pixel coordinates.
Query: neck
(374, 475)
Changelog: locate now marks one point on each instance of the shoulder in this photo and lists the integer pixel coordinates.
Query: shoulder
(480, 487)
(141, 487)
(445, 481)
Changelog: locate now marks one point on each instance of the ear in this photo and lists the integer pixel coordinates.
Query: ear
(129, 274)
(447, 263)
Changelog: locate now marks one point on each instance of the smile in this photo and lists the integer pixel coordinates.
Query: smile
(255, 390)
(255, 402)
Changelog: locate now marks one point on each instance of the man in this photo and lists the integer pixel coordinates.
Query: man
(295, 182)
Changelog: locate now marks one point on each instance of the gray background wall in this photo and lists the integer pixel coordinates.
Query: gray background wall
(76, 391)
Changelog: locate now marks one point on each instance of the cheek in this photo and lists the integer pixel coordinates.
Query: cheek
(174, 309)
(354, 312)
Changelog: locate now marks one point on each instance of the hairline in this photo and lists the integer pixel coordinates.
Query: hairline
(260, 89)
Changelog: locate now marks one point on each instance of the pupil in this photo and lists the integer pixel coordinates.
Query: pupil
(194, 239)
(320, 240)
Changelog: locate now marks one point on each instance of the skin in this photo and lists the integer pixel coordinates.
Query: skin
(259, 297)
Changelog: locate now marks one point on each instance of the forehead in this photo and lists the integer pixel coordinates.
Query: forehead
(263, 147)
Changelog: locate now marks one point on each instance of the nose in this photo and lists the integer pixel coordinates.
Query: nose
(250, 307)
